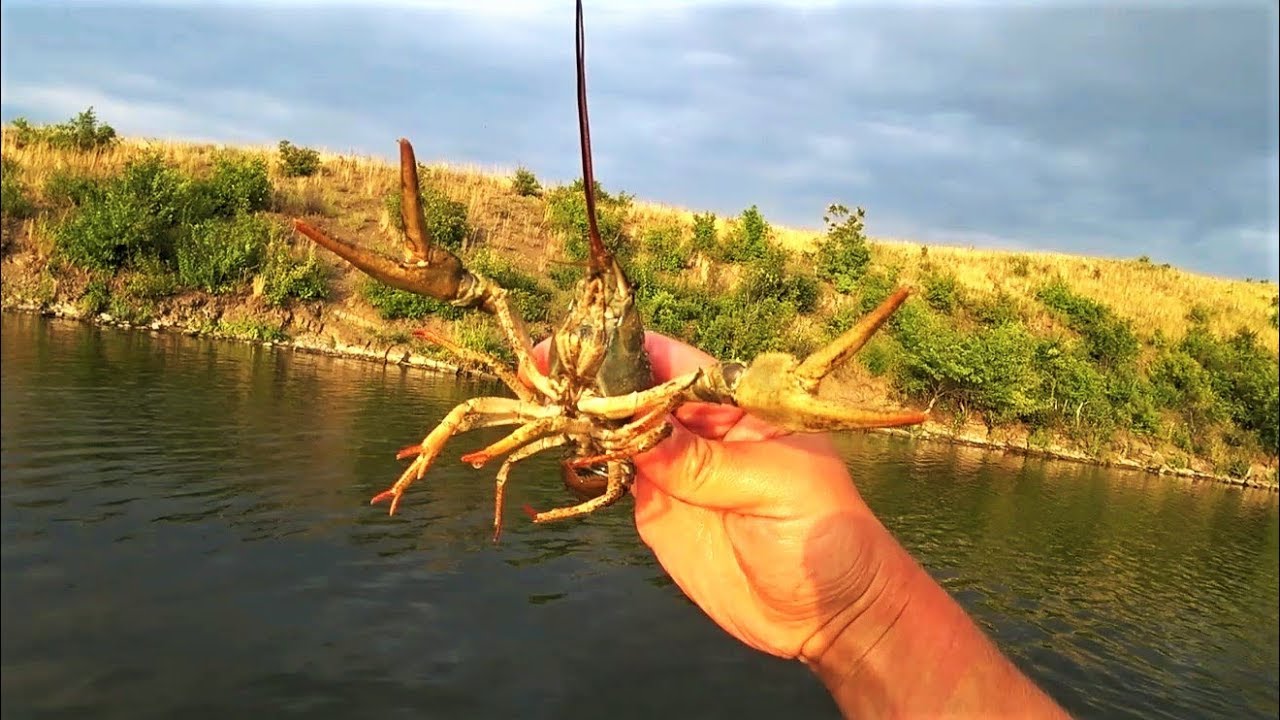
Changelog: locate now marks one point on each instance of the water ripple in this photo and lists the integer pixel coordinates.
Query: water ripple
(209, 502)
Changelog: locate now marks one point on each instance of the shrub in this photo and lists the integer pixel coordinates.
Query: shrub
(989, 369)
(663, 247)
(996, 309)
(82, 132)
(748, 239)
(222, 252)
(1244, 375)
(298, 161)
(132, 217)
(705, 239)
(237, 184)
(673, 313)
(446, 219)
(96, 298)
(843, 256)
(942, 292)
(284, 276)
(567, 215)
(1109, 339)
(13, 194)
(525, 184)
(565, 276)
(66, 189)
(732, 329)
(393, 303)
(769, 277)
(530, 297)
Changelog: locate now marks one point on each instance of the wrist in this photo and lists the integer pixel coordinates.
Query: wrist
(907, 648)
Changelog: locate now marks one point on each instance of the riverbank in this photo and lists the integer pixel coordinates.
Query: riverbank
(327, 330)
(1123, 363)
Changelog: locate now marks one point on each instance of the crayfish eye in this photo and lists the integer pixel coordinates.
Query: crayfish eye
(732, 374)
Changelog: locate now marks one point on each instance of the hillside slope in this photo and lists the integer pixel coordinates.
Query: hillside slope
(1124, 361)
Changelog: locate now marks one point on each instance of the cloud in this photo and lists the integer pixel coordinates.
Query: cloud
(1138, 129)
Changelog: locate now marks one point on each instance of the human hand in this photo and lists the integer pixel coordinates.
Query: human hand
(764, 530)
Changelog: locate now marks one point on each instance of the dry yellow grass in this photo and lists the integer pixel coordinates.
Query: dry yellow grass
(350, 189)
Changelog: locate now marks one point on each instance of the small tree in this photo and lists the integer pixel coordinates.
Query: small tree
(525, 183)
(843, 257)
(298, 161)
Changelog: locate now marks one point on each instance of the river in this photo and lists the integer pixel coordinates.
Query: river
(186, 532)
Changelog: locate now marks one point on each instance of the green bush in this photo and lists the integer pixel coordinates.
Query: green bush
(393, 303)
(82, 132)
(843, 256)
(564, 276)
(673, 313)
(1109, 339)
(525, 184)
(664, 247)
(220, 253)
(942, 292)
(66, 189)
(96, 298)
(996, 309)
(446, 219)
(285, 276)
(731, 329)
(13, 194)
(876, 287)
(237, 185)
(992, 370)
(749, 238)
(134, 216)
(531, 299)
(298, 161)
(567, 215)
(705, 239)
(770, 277)
(1244, 375)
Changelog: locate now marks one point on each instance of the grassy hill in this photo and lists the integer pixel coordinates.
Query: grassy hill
(1114, 360)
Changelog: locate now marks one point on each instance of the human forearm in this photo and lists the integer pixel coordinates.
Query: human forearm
(911, 651)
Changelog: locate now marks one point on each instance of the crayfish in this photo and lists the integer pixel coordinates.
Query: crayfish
(598, 396)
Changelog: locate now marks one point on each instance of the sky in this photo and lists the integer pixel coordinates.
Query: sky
(1118, 129)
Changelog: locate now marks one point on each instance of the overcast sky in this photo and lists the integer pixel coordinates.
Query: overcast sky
(1118, 129)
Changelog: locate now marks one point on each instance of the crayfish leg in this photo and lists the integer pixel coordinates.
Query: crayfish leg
(474, 413)
(620, 477)
(500, 486)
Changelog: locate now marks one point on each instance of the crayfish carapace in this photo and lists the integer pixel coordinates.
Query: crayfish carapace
(597, 396)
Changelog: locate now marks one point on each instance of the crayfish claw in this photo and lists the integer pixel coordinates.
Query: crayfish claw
(782, 390)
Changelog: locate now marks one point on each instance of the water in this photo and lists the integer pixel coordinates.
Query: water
(186, 532)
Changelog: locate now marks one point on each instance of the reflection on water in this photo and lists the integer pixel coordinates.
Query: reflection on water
(186, 530)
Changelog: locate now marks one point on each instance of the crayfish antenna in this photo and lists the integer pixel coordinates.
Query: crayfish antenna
(600, 255)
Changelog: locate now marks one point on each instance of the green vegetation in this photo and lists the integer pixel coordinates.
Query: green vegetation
(446, 218)
(1039, 350)
(14, 202)
(843, 256)
(525, 183)
(298, 161)
(567, 216)
(82, 132)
